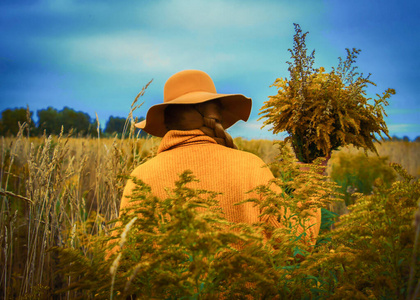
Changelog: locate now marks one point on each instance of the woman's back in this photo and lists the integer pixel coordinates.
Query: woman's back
(192, 121)
(218, 168)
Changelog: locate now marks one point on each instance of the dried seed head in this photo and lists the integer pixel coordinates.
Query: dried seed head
(115, 264)
(126, 229)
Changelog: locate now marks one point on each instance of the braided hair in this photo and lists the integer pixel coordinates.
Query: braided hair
(205, 116)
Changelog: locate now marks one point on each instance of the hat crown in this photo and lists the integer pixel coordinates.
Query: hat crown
(185, 82)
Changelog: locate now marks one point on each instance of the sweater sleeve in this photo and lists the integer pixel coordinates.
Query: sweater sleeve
(125, 203)
(125, 200)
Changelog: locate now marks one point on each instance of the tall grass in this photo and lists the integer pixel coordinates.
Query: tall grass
(407, 154)
(49, 188)
(54, 186)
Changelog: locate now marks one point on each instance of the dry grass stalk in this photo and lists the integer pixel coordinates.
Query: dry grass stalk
(50, 187)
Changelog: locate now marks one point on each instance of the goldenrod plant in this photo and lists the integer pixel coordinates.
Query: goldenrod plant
(178, 247)
(68, 205)
(59, 193)
(182, 247)
(374, 251)
(323, 111)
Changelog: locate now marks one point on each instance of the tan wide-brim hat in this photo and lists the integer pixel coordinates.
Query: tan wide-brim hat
(191, 87)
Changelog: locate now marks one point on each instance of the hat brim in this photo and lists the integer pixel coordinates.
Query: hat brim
(235, 107)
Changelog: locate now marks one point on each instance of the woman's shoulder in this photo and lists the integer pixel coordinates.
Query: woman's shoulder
(145, 167)
(248, 160)
(247, 155)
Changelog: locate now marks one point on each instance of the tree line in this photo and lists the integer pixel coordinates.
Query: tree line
(51, 121)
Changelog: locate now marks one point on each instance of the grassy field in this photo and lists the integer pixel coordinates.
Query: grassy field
(405, 153)
(52, 185)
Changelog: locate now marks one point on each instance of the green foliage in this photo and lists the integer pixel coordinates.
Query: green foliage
(302, 189)
(115, 125)
(359, 173)
(322, 111)
(373, 254)
(182, 247)
(10, 119)
(328, 219)
(50, 120)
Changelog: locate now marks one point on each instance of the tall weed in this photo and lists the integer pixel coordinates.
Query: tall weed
(60, 192)
(182, 247)
(374, 251)
(51, 187)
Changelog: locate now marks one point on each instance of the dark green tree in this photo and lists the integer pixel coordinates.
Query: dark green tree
(10, 119)
(79, 121)
(114, 125)
(50, 120)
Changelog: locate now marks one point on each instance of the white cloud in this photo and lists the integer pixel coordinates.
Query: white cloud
(128, 52)
(252, 130)
(166, 36)
(213, 15)
(404, 128)
(137, 51)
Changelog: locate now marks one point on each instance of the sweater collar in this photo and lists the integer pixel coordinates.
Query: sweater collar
(180, 138)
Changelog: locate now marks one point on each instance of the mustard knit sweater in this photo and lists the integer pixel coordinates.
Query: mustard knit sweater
(218, 168)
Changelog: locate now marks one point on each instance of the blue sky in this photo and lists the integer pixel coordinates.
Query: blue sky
(96, 55)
